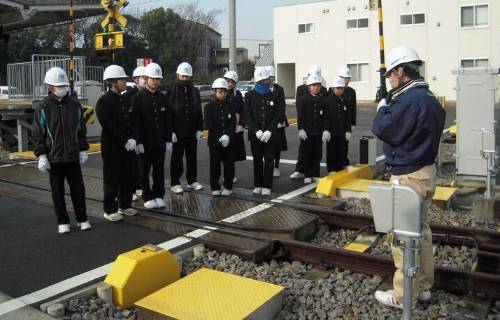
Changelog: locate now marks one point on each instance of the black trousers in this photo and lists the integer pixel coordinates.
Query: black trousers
(119, 181)
(155, 158)
(299, 166)
(313, 147)
(220, 155)
(336, 154)
(263, 158)
(72, 172)
(187, 146)
(139, 176)
(277, 158)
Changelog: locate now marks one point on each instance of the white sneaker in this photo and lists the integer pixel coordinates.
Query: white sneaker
(138, 192)
(177, 189)
(257, 190)
(332, 172)
(226, 192)
(113, 216)
(307, 180)
(135, 197)
(151, 204)
(387, 299)
(128, 212)
(276, 172)
(266, 192)
(296, 175)
(84, 225)
(160, 203)
(235, 179)
(64, 228)
(315, 179)
(195, 186)
(216, 193)
(424, 295)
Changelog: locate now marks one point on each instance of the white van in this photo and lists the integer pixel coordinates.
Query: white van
(4, 92)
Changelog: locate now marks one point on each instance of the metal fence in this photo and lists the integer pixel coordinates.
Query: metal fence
(25, 80)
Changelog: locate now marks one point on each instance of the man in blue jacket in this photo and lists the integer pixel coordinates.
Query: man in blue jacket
(410, 122)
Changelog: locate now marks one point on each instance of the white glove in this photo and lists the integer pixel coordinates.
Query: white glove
(348, 136)
(199, 135)
(381, 104)
(258, 134)
(326, 136)
(83, 157)
(174, 137)
(43, 163)
(266, 136)
(169, 146)
(239, 129)
(139, 148)
(352, 128)
(302, 134)
(280, 125)
(130, 145)
(224, 140)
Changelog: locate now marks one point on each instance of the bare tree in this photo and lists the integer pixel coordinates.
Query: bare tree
(193, 12)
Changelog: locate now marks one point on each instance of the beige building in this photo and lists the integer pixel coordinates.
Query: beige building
(447, 34)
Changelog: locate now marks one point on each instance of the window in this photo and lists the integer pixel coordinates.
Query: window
(412, 19)
(5, 92)
(474, 63)
(306, 28)
(357, 23)
(360, 72)
(474, 16)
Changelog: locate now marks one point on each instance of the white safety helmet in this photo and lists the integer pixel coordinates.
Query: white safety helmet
(400, 55)
(271, 71)
(260, 73)
(56, 77)
(220, 83)
(312, 79)
(345, 72)
(338, 82)
(153, 70)
(185, 69)
(114, 72)
(315, 69)
(139, 71)
(231, 75)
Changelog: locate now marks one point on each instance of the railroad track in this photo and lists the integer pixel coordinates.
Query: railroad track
(484, 280)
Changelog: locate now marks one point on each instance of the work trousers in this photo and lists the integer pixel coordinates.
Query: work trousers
(153, 158)
(312, 147)
(336, 154)
(263, 158)
(139, 177)
(119, 181)
(187, 146)
(220, 155)
(299, 166)
(72, 173)
(424, 180)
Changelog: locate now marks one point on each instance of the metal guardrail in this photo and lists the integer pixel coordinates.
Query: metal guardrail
(25, 80)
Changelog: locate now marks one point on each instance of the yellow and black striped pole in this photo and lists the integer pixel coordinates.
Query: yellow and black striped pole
(382, 90)
(71, 66)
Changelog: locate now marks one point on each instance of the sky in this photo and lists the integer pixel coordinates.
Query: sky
(254, 18)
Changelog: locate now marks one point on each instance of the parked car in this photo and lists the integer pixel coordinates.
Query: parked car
(206, 91)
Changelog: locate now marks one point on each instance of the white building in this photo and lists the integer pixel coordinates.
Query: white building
(446, 33)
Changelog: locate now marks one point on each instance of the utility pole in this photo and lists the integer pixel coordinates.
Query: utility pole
(71, 66)
(232, 35)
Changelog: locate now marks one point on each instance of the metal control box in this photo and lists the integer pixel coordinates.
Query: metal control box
(478, 107)
(396, 208)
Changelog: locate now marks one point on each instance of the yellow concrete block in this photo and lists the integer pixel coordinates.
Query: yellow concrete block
(93, 147)
(453, 130)
(443, 193)
(329, 184)
(140, 272)
(212, 295)
(358, 247)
